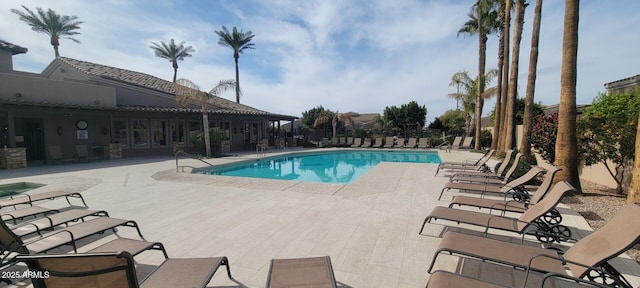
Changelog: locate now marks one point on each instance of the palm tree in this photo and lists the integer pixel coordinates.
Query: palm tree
(567, 143)
(469, 90)
(531, 82)
(326, 116)
(510, 111)
(633, 195)
(52, 24)
(172, 52)
(505, 73)
(499, 104)
(238, 41)
(483, 21)
(186, 91)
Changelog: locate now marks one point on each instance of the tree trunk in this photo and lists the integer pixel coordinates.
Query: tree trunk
(567, 143)
(236, 56)
(531, 83)
(482, 49)
(205, 124)
(633, 195)
(497, 121)
(510, 135)
(505, 76)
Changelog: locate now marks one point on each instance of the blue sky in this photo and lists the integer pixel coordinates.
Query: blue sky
(346, 55)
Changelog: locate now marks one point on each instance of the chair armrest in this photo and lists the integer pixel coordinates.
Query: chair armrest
(564, 261)
(549, 276)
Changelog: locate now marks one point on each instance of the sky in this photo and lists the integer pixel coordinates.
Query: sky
(346, 55)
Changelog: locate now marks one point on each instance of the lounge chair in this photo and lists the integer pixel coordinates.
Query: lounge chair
(118, 269)
(55, 155)
(586, 256)
(10, 242)
(424, 143)
(52, 220)
(366, 143)
(349, 142)
(342, 141)
(400, 143)
(17, 214)
(388, 143)
(83, 153)
(467, 165)
(488, 178)
(513, 205)
(378, 143)
(31, 198)
(448, 145)
(495, 174)
(446, 279)
(357, 142)
(514, 187)
(411, 143)
(301, 272)
(529, 222)
(466, 144)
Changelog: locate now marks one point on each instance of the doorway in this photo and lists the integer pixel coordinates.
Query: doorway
(33, 139)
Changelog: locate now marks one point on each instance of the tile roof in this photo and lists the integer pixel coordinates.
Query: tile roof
(133, 108)
(15, 49)
(217, 104)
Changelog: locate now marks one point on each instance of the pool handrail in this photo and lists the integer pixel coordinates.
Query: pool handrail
(178, 153)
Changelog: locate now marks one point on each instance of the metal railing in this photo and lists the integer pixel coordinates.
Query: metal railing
(179, 153)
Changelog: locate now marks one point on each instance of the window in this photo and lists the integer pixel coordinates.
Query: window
(140, 129)
(177, 135)
(120, 132)
(159, 132)
(194, 129)
(226, 126)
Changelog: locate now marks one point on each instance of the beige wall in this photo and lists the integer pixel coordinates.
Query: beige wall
(596, 173)
(38, 89)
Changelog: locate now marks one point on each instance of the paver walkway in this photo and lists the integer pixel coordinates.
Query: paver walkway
(369, 228)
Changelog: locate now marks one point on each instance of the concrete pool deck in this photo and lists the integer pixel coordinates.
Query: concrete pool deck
(369, 227)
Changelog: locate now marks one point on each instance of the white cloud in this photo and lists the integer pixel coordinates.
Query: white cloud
(344, 55)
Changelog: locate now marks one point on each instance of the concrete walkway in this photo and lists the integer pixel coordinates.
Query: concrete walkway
(369, 228)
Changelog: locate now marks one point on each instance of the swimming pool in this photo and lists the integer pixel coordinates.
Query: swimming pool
(325, 167)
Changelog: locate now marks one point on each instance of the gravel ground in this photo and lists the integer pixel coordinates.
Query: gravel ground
(597, 204)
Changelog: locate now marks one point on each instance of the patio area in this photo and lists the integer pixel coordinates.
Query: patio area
(369, 228)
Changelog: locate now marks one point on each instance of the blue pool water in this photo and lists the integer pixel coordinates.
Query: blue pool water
(325, 167)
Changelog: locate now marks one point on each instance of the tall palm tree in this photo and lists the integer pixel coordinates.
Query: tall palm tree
(531, 82)
(510, 111)
(498, 108)
(633, 195)
(186, 91)
(483, 21)
(238, 41)
(51, 23)
(567, 143)
(505, 74)
(172, 52)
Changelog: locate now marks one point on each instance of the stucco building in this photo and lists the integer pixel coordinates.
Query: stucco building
(78, 102)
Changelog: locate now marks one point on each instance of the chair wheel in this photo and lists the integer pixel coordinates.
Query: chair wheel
(560, 232)
(520, 196)
(602, 278)
(544, 237)
(552, 217)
